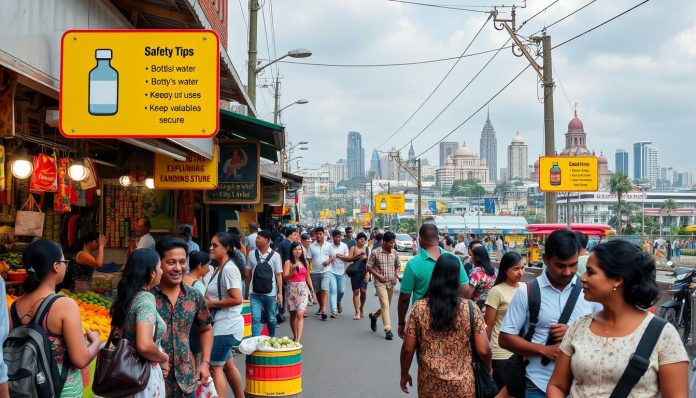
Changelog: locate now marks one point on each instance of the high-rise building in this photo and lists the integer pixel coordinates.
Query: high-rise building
(355, 156)
(518, 164)
(638, 165)
(650, 163)
(447, 149)
(375, 167)
(489, 148)
(622, 162)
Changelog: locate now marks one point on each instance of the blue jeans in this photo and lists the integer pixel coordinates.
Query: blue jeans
(337, 287)
(532, 391)
(262, 304)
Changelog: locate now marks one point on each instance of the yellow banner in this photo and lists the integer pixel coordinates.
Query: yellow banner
(568, 174)
(388, 204)
(139, 83)
(196, 172)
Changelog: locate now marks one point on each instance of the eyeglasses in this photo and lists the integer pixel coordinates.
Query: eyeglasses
(66, 262)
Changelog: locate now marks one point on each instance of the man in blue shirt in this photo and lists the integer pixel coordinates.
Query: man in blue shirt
(556, 283)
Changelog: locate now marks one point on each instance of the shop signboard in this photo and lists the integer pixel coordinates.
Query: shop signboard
(390, 204)
(239, 180)
(139, 83)
(568, 174)
(196, 172)
(273, 194)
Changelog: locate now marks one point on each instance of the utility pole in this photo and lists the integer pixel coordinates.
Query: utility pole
(253, 53)
(416, 175)
(519, 49)
(276, 106)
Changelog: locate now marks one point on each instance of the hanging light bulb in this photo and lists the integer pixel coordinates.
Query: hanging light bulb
(150, 183)
(21, 165)
(77, 171)
(125, 181)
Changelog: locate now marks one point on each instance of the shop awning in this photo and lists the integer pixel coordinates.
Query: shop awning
(236, 126)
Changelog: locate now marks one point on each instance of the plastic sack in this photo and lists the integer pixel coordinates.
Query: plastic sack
(251, 344)
(207, 389)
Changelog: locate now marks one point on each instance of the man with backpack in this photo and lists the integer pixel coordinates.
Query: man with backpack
(264, 282)
(543, 310)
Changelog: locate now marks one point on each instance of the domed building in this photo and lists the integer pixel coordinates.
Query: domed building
(576, 145)
(464, 164)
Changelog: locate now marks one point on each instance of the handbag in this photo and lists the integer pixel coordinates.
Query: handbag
(30, 219)
(121, 371)
(353, 269)
(485, 385)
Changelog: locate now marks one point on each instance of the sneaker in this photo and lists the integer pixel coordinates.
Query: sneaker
(323, 316)
(334, 315)
(373, 323)
(389, 335)
(318, 313)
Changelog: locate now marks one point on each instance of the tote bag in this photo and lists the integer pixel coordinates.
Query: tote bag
(30, 219)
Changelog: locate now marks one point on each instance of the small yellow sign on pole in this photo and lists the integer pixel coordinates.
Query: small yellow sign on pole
(390, 204)
(568, 174)
(139, 83)
(196, 172)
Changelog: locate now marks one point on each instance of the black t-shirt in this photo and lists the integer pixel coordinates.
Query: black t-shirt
(284, 250)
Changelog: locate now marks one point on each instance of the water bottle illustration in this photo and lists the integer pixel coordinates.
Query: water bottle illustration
(555, 174)
(383, 204)
(103, 86)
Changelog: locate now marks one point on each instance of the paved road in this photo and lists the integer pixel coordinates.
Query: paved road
(343, 358)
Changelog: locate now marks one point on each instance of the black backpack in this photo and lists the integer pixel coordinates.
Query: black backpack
(264, 277)
(31, 366)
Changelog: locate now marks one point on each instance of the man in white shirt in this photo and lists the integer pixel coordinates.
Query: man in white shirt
(251, 239)
(267, 293)
(334, 280)
(320, 255)
(460, 247)
(145, 240)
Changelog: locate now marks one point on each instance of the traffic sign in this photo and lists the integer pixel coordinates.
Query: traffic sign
(139, 83)
(390, 204)
(196, 172)
(568, 174)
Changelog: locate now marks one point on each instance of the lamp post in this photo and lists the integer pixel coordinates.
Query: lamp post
(255, 69)
(277, 109)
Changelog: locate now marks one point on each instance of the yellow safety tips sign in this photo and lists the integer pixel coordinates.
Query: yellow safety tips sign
(390, 204)
(568, 174)
(139, 83)
(196, 172)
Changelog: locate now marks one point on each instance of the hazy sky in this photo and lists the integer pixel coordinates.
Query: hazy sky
(633, 78)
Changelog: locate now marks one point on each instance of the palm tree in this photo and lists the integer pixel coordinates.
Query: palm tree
(669, 206)
(619, 185)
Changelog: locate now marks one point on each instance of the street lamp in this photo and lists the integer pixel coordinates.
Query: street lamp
(276, 112)
(255, 69)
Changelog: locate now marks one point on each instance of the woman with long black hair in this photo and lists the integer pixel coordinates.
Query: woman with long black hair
(482, 276)
(506, 284)
(134, 314)
(439, 327)
(295, 272)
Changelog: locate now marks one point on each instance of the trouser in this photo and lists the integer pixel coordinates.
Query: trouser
(339, 287)
(385, 295)
(262, 304)
(532, 391)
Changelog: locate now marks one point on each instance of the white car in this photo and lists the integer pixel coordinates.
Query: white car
(403, 242)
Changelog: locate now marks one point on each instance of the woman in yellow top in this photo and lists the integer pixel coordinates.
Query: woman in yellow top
(510, 274)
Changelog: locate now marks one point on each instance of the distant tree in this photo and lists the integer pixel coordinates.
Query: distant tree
(468, 188)
(406, 226)
(619, 184)
(533, 217)
(669, 206)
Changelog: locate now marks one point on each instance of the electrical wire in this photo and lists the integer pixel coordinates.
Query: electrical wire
(475, 112)
(265, 33)
(537, 14)
(558, 77)
(438, 85)
(273, 36)
(600, 25)
(430, 61)
(458, 94)
(241, 9)
(562, 19)
(436, 6)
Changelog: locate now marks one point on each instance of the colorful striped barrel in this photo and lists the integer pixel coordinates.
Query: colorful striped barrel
(246, 314)
(274, 374)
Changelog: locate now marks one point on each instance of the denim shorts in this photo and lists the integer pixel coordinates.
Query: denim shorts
(222, 349)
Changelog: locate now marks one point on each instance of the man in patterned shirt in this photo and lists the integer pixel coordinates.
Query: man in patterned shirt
(181, 307)
(384, 265)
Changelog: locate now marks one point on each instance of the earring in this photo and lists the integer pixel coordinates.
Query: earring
(614, 288)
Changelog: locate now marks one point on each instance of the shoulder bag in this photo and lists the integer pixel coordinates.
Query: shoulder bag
(120, 370)
(485, 385)
(356, 267)
(640, 359)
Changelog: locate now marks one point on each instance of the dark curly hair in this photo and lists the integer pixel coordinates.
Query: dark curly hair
(622, 259)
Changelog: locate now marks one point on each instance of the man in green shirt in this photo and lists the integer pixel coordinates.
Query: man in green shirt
(419, 269)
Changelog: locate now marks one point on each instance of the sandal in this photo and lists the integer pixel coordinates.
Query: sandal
(356, 317)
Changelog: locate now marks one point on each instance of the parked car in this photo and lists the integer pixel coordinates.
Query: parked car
(403, 242)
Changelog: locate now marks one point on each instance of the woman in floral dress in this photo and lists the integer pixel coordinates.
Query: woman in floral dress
(134, 315)
(299, 288)
(482, 276)
(439, 328)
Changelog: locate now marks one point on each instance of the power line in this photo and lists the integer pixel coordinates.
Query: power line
(273, 35)
(458, 94)
(437, 6)
(430, 61)
(475, 112)
(537, 14)
(564, 18)
(265, 33)
(600, 25)
(438, 85)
